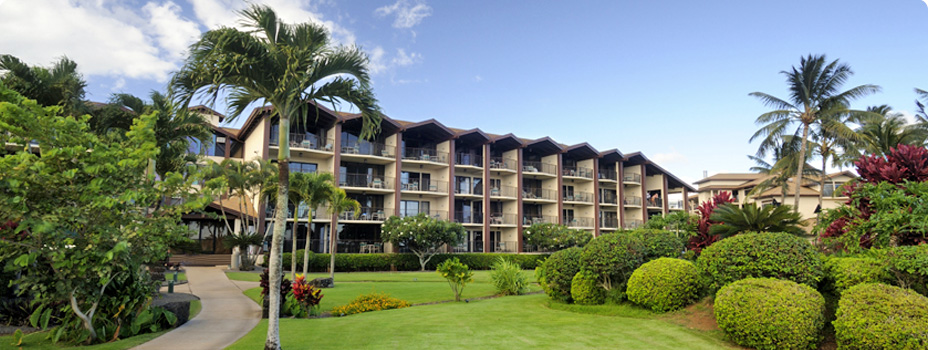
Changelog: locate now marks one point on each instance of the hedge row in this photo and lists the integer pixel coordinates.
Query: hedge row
(405, 262)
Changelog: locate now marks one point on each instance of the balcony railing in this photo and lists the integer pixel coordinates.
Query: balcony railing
(503, 191)
(539, 167)
(474, 246)
(585, 197)
(468, 159)
(503, 163)
(577, 171)
(608, 174)
(468, 217)
(577, 221)
(631, 177)
(675, 205)
(435, 214)
(365, 148)
(655, 202)
(476, 191)
(502, 219)
(425, 155)
(351, 246)
(366, 181)
(609, 222)
(538, 193)
(528, 248)
(609, 198)
(367, 214)
(321, 212)
(633, 224)
(632, 200)
(538, 219)
(503, 246)
(306, 141)
(435, 186)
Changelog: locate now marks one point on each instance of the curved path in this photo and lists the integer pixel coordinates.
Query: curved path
(227, 314)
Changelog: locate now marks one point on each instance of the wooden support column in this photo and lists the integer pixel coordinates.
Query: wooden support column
(519, 213)
(597, 219)
(560, 188)
(664, 194)
(620, 192)
(644, 194)
(486, 197)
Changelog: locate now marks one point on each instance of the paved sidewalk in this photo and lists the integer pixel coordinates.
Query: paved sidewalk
(227, 314)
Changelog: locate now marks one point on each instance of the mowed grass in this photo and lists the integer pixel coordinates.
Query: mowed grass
(503, 323)
(414, 287)
(481, 276)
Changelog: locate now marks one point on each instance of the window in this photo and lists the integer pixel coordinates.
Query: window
(832, 189)
(568, 192)
(420, 179)
(297, 167)
(413, 208)
(568, 216)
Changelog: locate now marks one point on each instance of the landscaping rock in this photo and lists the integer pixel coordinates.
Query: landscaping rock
(323, 282)
(178, 303)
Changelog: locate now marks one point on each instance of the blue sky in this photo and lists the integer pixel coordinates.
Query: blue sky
(668, 78)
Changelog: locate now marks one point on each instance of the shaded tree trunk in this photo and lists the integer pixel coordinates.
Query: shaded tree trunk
(333, 244)
(309, 232)
(280, 225)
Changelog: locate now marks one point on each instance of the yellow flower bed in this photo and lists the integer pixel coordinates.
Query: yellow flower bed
(370, 302)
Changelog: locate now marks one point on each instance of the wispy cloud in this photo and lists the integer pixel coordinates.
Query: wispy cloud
(408, 13)
(403, 59)
(478, 78)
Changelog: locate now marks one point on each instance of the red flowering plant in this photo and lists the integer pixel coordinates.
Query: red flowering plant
(886, 206)
(307, 296)
(703, 239)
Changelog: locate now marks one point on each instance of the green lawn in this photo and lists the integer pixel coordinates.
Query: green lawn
(502, 323)
(482, 276)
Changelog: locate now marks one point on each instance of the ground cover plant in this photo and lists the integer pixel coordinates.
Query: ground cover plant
(370, 302)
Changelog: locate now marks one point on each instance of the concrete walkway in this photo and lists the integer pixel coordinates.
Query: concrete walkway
(227, 314)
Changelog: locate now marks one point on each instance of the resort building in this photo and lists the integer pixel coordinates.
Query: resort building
(741, 185)
(494, 185)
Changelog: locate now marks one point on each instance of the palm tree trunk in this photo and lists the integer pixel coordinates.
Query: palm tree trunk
(333, 239)
(821, 183)
(296, 213)
(280, 224)
(309, 231)
(802, 162)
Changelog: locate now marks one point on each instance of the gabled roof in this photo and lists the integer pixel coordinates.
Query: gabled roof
(430, 130)
(581, 151)
(611, 156)
(637, 158)
(473, 136)
(388, 126)
(544, 146)
(507, 142)
(324, 116)
(206, 110)
(731, 177)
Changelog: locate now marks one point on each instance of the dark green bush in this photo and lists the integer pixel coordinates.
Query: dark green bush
(909, 266)
(766, 313)
(878, 316)
(585, 289)
(844, 273)
(406, 262)
(775, 255)
(660, 243)
(612, 258)
(557, 272)
(664, 284)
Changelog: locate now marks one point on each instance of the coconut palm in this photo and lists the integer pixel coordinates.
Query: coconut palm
(734, 220)
(814, 94)
(831, 139)
(287, 66)
(60, 85)
(883, 129)
(340, 204)
(785, 152)
(317, 188)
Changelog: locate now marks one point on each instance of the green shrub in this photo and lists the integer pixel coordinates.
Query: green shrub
(553, 237)
(585, 289)
(558, 271)
(909, 267)
(508, 278)
(664, 284)
(370, 302)
(457, 274)
(844, 273)
(612, 258)
(878, 316)
(407, 262)
(660, 243)
(766, 313)
(775, 255)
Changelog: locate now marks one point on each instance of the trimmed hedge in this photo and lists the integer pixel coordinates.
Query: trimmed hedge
(664, 284)
(766, 313)
(660, 243)
(774, 255)
(406, 262)
(557, 272)
(878, 316)
(613, 257)
(585, 289)
(844, 273)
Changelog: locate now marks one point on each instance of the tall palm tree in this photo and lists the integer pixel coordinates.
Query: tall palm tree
(785, 152)
(317, 191)
(339, 203)
(883, 129)
(60, 85)
(814, 94)
(832, 138)
(286, 66)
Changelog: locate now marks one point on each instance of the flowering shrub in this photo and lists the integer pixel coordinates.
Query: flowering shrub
(370, 302)
(457, 274)
(703, 238)
(553, 237)
(306, 295)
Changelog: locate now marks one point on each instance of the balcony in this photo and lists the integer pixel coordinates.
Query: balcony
(462, 217)
(503, 246)
(532, 167)
(655, 203)
(366, 181)
(609, 198)
(579, 172)
(609, 222)
(435, 214)
(367, 214)
(349, 246)
(474, 246)
(366, 149)
(428, 186)
(580, 197)
(675, 205)
(497, 219)
(528, 248)
(503, 164)
(468, 160)
(468, 191)
(632, 178)
(576, 221)
(503, 191)
(539, 194)
(608, 175)
(424, 155)
(632, 201)
(633, 224)
(528, 220)
(313, 142)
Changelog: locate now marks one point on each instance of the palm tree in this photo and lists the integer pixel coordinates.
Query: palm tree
(61, 85)
(317, 191)
(785, 152)
(883, 129)
(814, 94)
(339, 203)
(286, 66)
(832, 138)
(735, 220)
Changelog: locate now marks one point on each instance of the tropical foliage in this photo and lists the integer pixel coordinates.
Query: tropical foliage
(424, 236)
(61, 85)
(734, 220)
(457, 274)
(340, 205)
(704, 238)
(553, 237)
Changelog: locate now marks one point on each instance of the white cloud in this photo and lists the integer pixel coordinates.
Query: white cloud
(478, 78)
(377, 63)
(173, 33)
(408, 13)
(217, 13)
(402, 59)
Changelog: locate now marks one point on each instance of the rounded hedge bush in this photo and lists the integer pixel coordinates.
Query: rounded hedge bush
(774, 255)
(664, 284)
(767, 313)
(660, 243)
(878, 316)
(612, 258)
(844, 273)
(585, 289)
(557, 272)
